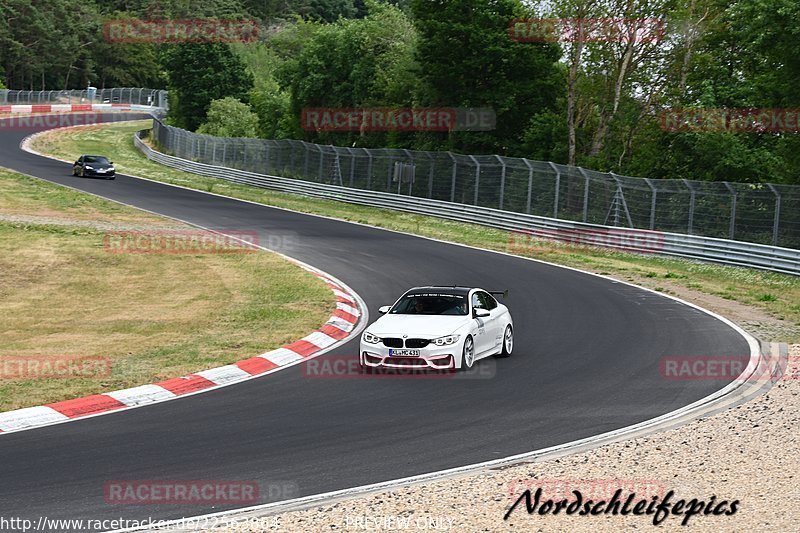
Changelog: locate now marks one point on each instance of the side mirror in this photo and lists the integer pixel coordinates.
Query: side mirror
(480, 313)
(110, 162)
(385, 309)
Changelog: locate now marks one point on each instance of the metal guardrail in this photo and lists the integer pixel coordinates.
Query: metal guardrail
(127, 95)
(526, 229)
(764, 213)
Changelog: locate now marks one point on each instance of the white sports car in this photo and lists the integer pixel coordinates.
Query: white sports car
(439, 328)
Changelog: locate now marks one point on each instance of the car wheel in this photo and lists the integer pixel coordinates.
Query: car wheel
(468, 353)
(508, 342)
(74, 172)
(83, 172)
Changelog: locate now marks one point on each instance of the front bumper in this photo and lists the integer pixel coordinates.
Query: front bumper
(438, 358)
(98, 174)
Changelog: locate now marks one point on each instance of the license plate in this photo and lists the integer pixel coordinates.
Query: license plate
(101, 170)
(403, 353)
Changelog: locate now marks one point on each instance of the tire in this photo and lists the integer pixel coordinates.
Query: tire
(83, 172)
(508, 342)
(73, 172)
(468, 353)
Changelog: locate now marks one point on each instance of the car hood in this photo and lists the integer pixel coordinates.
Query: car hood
(430, 326)
(98, 165)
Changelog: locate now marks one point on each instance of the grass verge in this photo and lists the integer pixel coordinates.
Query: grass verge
(149, 316)
(765, 297)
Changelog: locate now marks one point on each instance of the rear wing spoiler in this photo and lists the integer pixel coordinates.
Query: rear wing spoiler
(504, 293)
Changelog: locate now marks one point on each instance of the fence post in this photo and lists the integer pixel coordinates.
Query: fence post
(530, 185)
(278, 163)
(621, 200)
(321, 163)
(585, 194)
(558, 186)
(502, 181)
(732, 228)
(652, 204)
(690, 227)
(455, 172)
(352, 165)
(430, 174)
(369, 169)
(777, 219)
(292, 148)
(477, 179)
(305, 168)
(413, 164)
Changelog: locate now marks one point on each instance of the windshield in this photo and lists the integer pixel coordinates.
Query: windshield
(431, 304)
(96, 159)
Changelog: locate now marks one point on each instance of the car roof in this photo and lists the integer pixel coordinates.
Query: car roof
(94, 155)
(438, 289)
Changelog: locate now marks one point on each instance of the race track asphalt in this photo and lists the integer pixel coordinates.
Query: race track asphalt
(586, 361)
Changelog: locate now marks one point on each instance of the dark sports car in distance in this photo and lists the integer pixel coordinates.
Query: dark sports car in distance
(93, 165)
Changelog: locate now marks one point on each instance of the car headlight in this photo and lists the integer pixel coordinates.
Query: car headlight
(370, 338)
(446, 341)
(89, 168)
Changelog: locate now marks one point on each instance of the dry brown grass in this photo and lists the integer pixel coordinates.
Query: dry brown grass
(154, 316)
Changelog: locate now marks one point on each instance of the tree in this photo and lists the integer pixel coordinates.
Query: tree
(467, 59)
(230, 117)
(354, 63)
(201, 73)
(732, 55)
(123, 64)
(329, 10)
(181, 9)
(41, 42)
